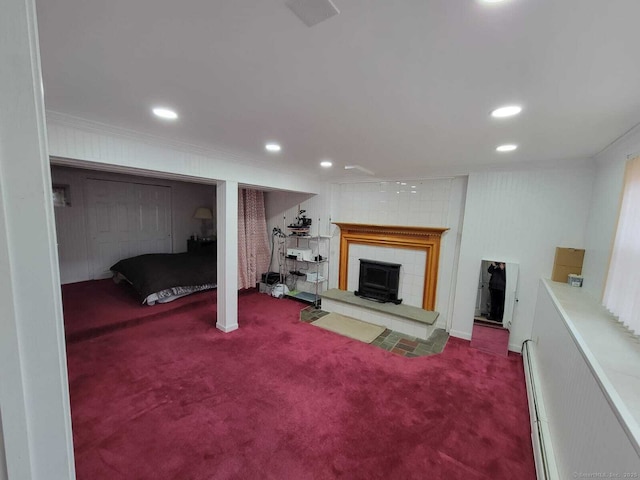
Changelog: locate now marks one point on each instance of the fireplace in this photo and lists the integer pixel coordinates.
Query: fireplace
(426, 239)
(379, 281)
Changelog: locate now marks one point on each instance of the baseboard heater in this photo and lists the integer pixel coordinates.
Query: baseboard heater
(546, 468)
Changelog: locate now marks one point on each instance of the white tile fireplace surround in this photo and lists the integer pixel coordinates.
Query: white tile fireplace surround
(417, 249)
(411, 273)
(424, 239)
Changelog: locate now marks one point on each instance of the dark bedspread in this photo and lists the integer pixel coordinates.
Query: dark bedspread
(154, 272)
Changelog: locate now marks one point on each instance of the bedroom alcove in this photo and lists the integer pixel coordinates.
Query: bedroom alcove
(94, 229)
(115, 215)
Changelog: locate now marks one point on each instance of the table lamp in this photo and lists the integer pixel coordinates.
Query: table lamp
(204, 214)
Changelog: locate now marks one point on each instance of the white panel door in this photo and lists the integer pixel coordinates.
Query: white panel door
(153, 204)
(111, 222)
(124, 220)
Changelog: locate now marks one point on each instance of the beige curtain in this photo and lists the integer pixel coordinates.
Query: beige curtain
(622, 292)
(253, 238)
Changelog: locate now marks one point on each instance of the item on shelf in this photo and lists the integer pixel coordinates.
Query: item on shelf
(299, 231)
(305, 280)
(575, 280)
(303, 254)
(315, 277)
(302, 225)
(301, 221)
(568, 261)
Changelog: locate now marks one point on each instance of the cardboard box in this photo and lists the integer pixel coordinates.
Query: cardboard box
(567, 261)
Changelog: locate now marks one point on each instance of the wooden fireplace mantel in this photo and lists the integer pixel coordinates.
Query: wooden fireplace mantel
(394, 236)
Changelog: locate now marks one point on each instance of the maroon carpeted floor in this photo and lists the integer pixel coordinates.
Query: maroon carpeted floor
(175, 398)
(97, 307)
(490, 339)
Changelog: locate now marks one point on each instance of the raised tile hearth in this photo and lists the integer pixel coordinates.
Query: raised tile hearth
(401, 318)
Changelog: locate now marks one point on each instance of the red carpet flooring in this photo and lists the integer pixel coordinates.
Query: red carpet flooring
(175, 398)
(96, 307)
(490, 339)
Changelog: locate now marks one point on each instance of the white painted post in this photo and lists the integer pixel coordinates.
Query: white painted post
(34, 391)
(227, 226)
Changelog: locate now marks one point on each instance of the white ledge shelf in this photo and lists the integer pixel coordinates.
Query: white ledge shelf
(610, 350)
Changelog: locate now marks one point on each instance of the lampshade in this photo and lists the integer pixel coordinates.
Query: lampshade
(203, 213)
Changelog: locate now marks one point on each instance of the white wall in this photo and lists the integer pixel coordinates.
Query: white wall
(519, 217)
(438, 203)
(589, 417)
(34, 394)
(282, 208)
(114, 148)
(34, 397)
(3, 463)
(605, 203)
(71, 221)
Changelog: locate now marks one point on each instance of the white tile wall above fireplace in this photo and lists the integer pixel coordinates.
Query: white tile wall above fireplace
(391, 203)
(411, 274)
(438, 202)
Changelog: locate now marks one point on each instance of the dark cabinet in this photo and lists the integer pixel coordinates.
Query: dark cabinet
(200, 245)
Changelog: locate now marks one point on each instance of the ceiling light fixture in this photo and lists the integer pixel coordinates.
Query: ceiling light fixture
(165, 113)
(507, 111)
(506, 148)
(273, 147)
(492, 1)
(326, 163)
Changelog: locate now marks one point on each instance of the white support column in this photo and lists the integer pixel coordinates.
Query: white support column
(34, 391)
(227, 226)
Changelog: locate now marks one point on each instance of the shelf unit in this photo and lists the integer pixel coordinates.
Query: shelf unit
(314, 271)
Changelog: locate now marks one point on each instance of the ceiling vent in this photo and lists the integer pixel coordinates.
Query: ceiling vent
(353, 168)
(312, 12)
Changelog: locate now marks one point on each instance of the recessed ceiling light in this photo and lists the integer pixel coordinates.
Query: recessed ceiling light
(325, 163)
(492, 1)
(165, 113)
(413, 191)
(507, 111)
(506, 148)
(273, 147)
(403, 183)
(413, 186)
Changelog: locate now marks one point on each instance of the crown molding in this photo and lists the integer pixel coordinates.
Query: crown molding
(632, 132)
(92, 126)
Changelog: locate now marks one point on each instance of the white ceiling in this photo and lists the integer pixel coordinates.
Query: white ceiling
(400, 87)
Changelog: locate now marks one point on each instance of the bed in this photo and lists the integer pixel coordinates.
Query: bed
(164, 277)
